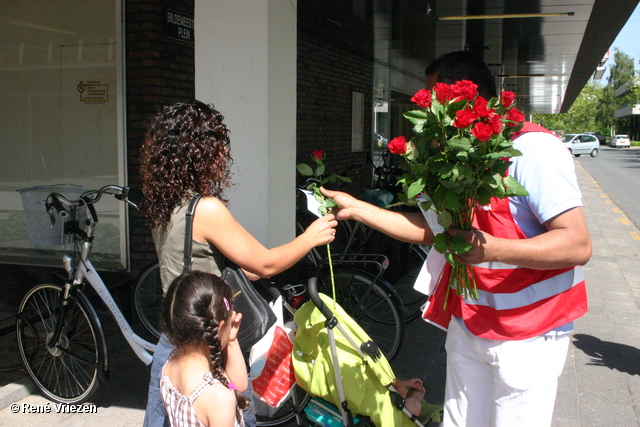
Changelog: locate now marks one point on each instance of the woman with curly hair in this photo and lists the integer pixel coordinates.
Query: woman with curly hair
(185, 152)
(200, 381)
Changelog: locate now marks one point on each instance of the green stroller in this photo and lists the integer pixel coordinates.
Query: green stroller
(335, 360)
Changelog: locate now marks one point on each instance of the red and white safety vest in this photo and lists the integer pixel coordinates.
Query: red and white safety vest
(513, 302)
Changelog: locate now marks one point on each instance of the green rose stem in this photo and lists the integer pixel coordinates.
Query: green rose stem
(315, 174)
(333, 284)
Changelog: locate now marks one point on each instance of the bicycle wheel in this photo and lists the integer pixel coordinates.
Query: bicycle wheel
(267, 416)
(369, 305)
(148, 298)
(65, 371)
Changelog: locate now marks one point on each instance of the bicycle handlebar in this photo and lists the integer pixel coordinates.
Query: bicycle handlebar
(124, 194)
(312, 288)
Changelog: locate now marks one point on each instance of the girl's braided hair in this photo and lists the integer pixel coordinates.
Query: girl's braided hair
(185, 150)
(192, 310)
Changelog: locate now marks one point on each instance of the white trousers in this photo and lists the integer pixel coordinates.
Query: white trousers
(501, 383)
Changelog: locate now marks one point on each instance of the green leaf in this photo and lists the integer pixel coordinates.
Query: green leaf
(513, 187)
(452, 200)
(462, 156)
(493, 180)
(417, 117)
(440, 242)
(483, 196)
(407, 201)
(329, 203)
(449, 257)
(343, 178)
(461, 144)
(320, 170)
(417, 114)
(458, 244)
(415, 188)
(426, 204)
(445, 219)
(304, 169)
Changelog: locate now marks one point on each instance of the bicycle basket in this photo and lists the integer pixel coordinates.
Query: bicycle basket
(45, 229)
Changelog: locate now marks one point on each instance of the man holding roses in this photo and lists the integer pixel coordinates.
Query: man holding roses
(506, 346)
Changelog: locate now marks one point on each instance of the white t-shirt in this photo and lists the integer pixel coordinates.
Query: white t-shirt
(547, 172)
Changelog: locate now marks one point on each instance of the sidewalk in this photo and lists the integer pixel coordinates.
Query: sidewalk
(601, 380)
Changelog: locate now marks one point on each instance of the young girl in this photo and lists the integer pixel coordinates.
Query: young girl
(202, 381)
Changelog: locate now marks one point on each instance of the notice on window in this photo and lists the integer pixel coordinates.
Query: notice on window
(93, 91)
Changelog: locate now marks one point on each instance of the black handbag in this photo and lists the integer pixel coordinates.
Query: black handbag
(257, 315)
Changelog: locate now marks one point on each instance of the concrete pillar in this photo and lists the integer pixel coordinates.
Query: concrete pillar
(245, 64)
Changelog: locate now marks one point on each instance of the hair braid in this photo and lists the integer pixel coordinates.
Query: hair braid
(216, 361)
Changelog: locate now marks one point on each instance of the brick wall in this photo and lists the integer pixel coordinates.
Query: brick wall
(159, 71)
(327, 76)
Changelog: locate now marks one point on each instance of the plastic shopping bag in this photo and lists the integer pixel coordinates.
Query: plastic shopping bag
(270, 359)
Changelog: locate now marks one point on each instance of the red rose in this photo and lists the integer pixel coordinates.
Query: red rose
(495, 121)
(398, 145)
(317, 154)
(465, 89)
(422, 98)
(514, 115)
(443, 92)
(480, 107)
(507, 98)
(464, 118)
(482, 131)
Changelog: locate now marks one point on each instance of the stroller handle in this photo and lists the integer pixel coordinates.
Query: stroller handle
(312, 288)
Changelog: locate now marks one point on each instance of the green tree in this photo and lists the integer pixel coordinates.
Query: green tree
(580, 117)
(621, 72)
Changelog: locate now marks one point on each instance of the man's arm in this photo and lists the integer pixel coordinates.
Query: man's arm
(565, 243)
(408, 227)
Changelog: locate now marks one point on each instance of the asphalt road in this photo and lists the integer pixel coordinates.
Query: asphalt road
(617, 170)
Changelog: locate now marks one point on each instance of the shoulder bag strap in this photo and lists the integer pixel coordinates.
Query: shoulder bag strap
(188, 232)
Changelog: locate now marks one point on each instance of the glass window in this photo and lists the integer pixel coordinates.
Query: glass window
(61, 98)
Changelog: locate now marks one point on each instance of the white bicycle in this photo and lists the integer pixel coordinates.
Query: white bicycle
(60, 337)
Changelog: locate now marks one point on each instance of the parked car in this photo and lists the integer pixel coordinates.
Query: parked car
(620, 141)
(601, 139)
(581, 143)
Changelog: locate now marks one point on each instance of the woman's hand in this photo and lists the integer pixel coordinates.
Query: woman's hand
(322, 230)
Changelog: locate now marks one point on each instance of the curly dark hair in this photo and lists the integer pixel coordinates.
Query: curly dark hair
(185, 150)
(192, 311)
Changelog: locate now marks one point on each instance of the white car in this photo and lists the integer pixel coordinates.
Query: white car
(620, 141)
(581, 143)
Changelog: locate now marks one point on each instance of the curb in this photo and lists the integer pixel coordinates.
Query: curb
(17, 390)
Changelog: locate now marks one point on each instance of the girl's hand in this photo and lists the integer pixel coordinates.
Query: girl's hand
(321, 231)
(236, 319)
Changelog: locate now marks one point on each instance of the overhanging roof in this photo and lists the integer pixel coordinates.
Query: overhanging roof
(546, 60)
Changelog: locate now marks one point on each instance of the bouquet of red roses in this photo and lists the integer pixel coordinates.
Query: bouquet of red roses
(458, 159)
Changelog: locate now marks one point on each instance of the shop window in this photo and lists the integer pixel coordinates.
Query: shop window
(61, 101)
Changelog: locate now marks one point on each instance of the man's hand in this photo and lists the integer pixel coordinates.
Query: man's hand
(478, 241)
(344, 201)
(566, 243)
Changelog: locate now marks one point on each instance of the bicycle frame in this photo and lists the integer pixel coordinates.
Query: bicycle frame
(141, 347)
